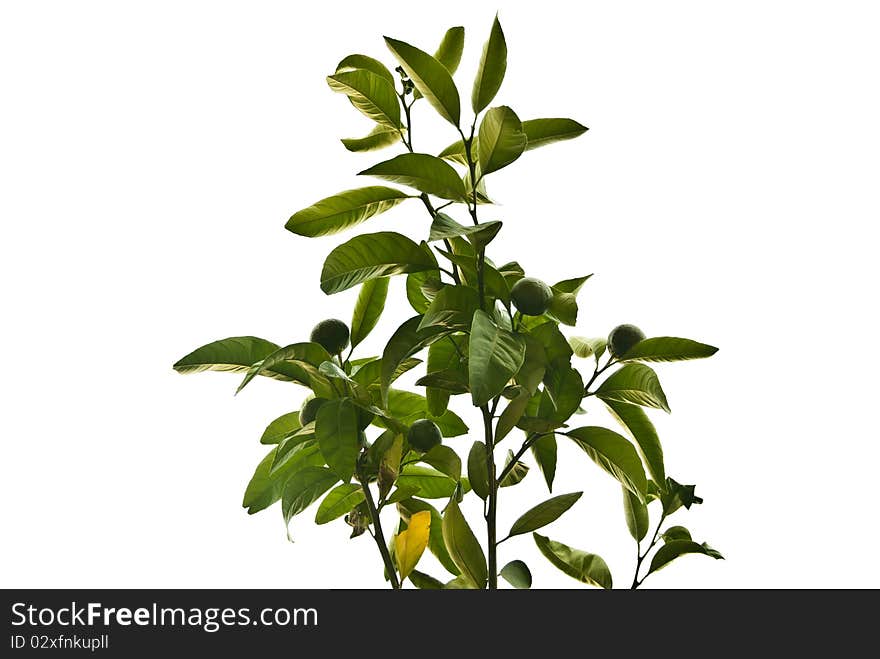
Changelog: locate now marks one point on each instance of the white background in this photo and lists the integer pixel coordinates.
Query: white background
(150, 154)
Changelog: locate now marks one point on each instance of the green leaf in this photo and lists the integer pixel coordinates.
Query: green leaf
(300, 360)
(365, 62)
(641, 429)
(675, 495)
(482, 196)
(371, 372)
(544, 451)
(450, 49)
(336, 429)
(676, 533)
(409, 545)
(534, 366)
(304, 488)
(424, 581)
(490, 73)
(501, 139)
(444, 227)
(436, 544)
(408, 407)
(634, 383)
(533, 424)
(265, 487)
(292, 447)
(453, 381)
(446, 354)
(281, 428)
(339, 502)
(453, 307)
(378, 138)
(541, 132)
(668, 349)
(556, 348)
(585, 348)
(636, 514)
(406, 341)
(432, 484)
(615, 455)
(430, 77)
(563, 305)
(586, 568)
(235, 354)
(517, 574)
(423, 172)
(445, 460)
(371, 256)
(368, 308)
(418, 289)
(372, 94)
(544, 513)
(460, 583)
(566, 387)
(449, 52)
(402, 493)
(463, 546)
(332, 370)
(456, 152)
(512, 414)
(519, 471)
(495, 356)
(478, 473)
(675, 548)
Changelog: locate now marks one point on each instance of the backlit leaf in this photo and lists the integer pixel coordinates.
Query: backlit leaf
(586, 568)
(373, 255)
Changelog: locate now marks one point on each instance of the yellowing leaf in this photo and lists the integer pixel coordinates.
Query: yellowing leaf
(410, 544)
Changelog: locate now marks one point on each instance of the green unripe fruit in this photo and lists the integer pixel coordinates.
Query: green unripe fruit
(309, 411)
(424, 435)
(332, 334)
(531, 296)
(623, 338)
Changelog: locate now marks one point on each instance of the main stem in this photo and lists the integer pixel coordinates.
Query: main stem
(379, 536)
(488, 414)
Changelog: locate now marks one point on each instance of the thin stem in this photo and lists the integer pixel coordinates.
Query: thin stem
(472, 208)
(492, 501)
(596, 373)
(379, 536)
(447, 272)
(641, 557)
(407, 138)
(424, 197)
(407, 142)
